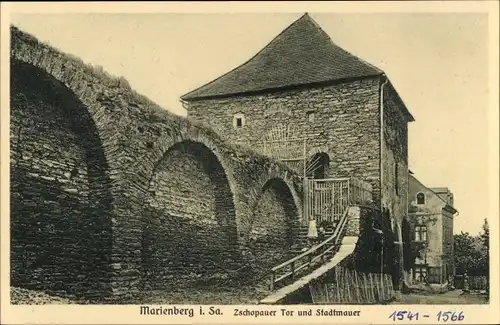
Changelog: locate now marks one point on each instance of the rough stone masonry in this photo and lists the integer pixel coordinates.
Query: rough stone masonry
(110, 194)
(346, 108)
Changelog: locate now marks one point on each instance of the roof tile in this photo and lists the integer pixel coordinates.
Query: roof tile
(300, 55)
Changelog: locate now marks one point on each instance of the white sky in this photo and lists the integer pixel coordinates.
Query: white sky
(437, 62)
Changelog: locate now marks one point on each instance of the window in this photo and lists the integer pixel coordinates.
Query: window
(421, 198)
(420, 233)
(239, 120)
(420, 274)
(310, 116)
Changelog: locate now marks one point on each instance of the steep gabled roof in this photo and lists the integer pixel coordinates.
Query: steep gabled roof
(434, 192)
(302, 54)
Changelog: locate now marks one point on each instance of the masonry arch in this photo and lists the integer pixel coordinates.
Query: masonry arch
(420, 198)
(317, 166)
(275, 224)
(61, 200)
(189, 226)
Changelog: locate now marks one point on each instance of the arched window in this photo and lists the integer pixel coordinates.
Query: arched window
(421, 198)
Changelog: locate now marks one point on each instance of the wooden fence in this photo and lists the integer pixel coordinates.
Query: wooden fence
(475, 282)
(327, 199)
(352, 287)
(360, 191)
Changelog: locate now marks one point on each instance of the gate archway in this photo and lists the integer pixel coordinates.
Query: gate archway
(317, 166)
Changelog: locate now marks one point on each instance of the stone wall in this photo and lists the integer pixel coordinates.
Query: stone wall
(394, 157)
(61, 232)
(274, 226)
(189, 230)
(395, 165)
(341, 120)
(126, 149)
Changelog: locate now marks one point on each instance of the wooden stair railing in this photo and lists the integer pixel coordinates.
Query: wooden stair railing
(290, 268)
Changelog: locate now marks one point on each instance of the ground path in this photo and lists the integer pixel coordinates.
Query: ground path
(454, 297)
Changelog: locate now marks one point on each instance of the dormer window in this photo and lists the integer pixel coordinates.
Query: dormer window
(420, 198)
(239, 120)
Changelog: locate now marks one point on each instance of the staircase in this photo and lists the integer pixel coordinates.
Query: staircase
(302, 242)
(307, 260)
(328, 201)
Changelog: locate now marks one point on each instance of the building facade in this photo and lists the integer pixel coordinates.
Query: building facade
(431, 215)
(354, 122)
(347, 109)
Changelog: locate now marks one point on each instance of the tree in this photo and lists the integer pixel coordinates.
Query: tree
(485, 238)
(485, 235)
(466, 255)
(485, 249)
(470, 254)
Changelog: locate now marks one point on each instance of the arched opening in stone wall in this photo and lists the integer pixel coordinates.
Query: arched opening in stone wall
(189, 227)
(275, 225)
(60, 190)
(317, 166)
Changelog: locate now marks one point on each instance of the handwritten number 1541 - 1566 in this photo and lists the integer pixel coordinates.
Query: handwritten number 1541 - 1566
(442, 316)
